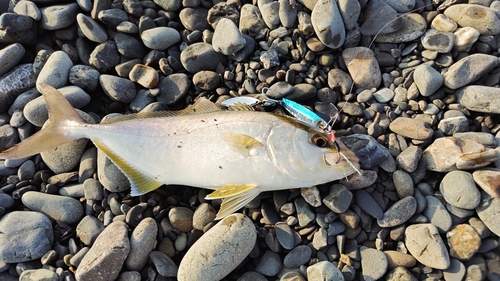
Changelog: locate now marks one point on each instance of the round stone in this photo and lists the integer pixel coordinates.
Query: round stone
(160, 38)
(463, 241)
(201, 56)
(458, 189)
(59, 208)
(227, 38)
(328, 24)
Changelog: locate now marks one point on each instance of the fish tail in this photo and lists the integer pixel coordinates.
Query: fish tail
(55, 132)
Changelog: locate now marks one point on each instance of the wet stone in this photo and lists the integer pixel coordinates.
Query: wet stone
(425, 244)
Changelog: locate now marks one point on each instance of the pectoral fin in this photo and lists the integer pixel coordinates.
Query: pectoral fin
(235, 197)
(139, 183)
(241, 143)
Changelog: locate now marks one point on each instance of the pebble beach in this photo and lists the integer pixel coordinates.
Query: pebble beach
(417, 82)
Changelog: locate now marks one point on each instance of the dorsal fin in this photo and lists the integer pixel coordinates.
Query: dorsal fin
(203, 105)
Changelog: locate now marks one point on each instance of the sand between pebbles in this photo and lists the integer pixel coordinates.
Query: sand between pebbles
(420, 109)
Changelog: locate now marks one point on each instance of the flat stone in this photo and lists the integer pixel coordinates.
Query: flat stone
(328, 24)
(58, 16)
(325, 271)
(373, 263)
(398, 213)
(482, 18)
(59, 208)
(468, 70)
(117, 88)
(438, 41)
(425, 244)
(38, 274)
(437, 214)
(479, 98)
(285, 235)
(28, 8)
(363, 67)
(380, 18)
(160, 38)
(463, 241)
(297, 256)
(488, 211)
(488, 180)
(219, 251)
(194, 18)
(413, 26)
(201, 56)
(453, 125)
(105, 56)
(105, 259)
(366, 202)
(409, 158)
(84, 76)
(403, 183)
(173, 88)
(458, 189)
(24, 236)
(411, 128)
(163, 264)
(88, 229)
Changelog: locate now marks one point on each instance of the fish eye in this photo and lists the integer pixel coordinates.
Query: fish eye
(319, 141)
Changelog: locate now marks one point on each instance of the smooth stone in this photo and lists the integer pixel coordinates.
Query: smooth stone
(160, 38)
(328, 24)
(311, 195)
(74, 190)
(465, 37)
(479, 98)
(8, 136)
(325, 271)
(58, 16)
(24, 236)
(463, 241)
(110, 176)
(88, 229)
(142, 242)
(251, 276)
(26, 171)
(488, 180)
(338, 79)
(23, 99)
(448, 154)
(129, 276)
(456, 271)
(425, 244)
(227, 38)
(270, 13)
(485, 139)
(11, 55)
(270, 264)
(400, 212)
(203, 215)
(206, 80)
(287, 13)
(55, 71)
(438, 41)
(427, 79)
(38, 274)
(443, 23)
(488, 211)
(458, 189)
(350, 11)
(222, 10)
(468, 70)
(36, 112)
(173, 88)
(437, 214)
(84, 76)
(373, 263)
(145, 76)
(6, 201)
(129, 46)
(105, 56)
(117, 88)
(19, 80)
(105, 259)
(384, 95)
(59, 208)
(409, 158)
(194, 18)
(181, 218)
(450, 126)
(285, 235)
(246, 51)
(396, 259)
(28, 8)
(219, 251)
(374, 152)
(411, 128)
(91, 28)
(483, 19)
(413, 26)
(18, 29)
(338, 199)
(201, 56)
(163, 264)
(251, 21)
(363, 67)
(366, 202)
(297, 256)
(380, 18)
(112, 18)
(170, 6)
(304, 213)
(92, 188)
(403, 183)
(400, 274)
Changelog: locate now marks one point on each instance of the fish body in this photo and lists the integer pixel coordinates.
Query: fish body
(236, 153)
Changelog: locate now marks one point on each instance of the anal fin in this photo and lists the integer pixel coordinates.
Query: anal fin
(139, 183)
(235, 197)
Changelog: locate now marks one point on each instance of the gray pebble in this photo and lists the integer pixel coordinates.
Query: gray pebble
(251, 21)
(91, 28)
(325, 271)
(55, 71)
(25, 236)
(373, 263)
(72, 190)
(438, 41)
(374, 153)
(270, 13)
(26, 170)
(297, 256)
(88, 165)
(456, 271)
(112, 17)
(129, 46)
(488, 103)
(203, 215)
(427, 79)
(380, 19)
(58, 16)
(160, 38)
(206, 80)
(104, 57)
(88, 229)
(38, 274)
(129, 276)
(142, 242)
(409, 158)
(437, 214)
(384, 95)
(201, 56)
(450, 126)
(285, 235)
(468, 15)
(270, 264)
(227, 38)
(468, 70)
(18, 29)
(78, 256)
(19, 80)
(403, 183)
(84, 76)
(11, 55)
(246, 51)
(328, 24)
(6, 201)
(399, 212)
(458, 189)
(338, 199)
(269, 58)
(425, 244)
(251, 276)
(287, 13)
(488, 211)
(173, 88)
(8, 137)
(115, 243)
(304, 213)
(60, 208)
(28, 8)
(117, 88)
(194, 18)
(366, 202)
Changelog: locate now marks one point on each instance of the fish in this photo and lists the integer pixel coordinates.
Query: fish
(238, 154)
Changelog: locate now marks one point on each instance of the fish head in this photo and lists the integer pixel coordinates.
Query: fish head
(310, 155)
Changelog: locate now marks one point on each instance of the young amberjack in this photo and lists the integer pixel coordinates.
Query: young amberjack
(239, 154)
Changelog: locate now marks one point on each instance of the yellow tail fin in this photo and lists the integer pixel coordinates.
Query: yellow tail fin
(55, 132)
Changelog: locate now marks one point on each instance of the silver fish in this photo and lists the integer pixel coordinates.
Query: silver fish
(239, 154)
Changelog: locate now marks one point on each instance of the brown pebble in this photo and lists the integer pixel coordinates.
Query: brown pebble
(488, 180)
(145, 76)
(395, 259)
(463, 241)
(315, 45)
(181, 218)
(411, 128)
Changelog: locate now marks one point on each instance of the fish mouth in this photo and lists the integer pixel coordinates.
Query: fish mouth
(332, 158)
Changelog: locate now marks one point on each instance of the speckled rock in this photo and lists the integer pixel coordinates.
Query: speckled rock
(219, 251)
(463, 241)
(105, 259)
